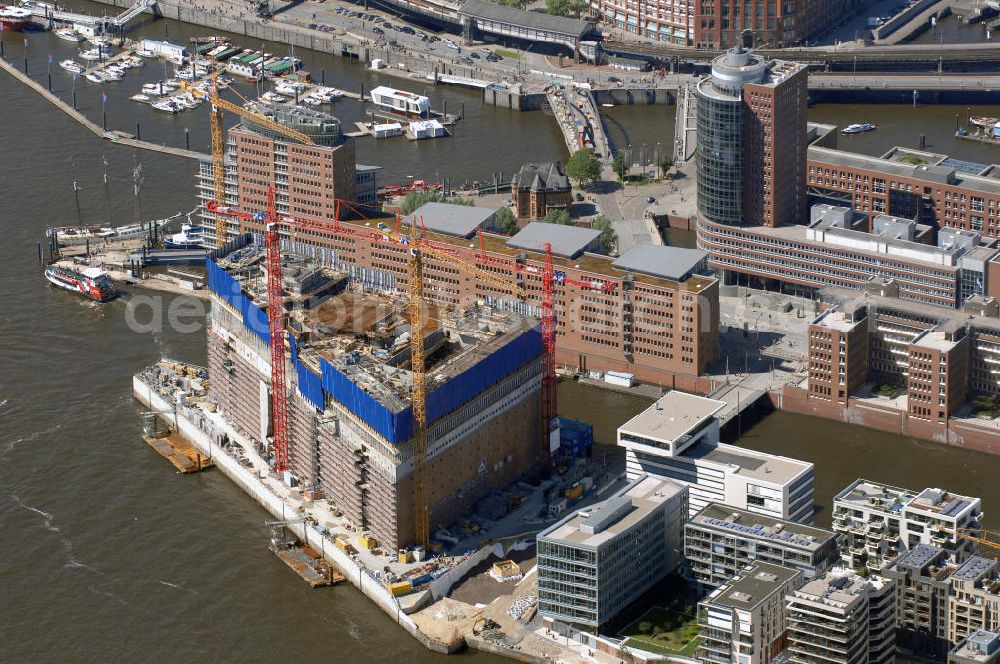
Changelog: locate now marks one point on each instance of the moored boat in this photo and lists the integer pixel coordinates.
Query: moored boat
(68, 34)
(91, 282)
(14, 18)
(858, 128)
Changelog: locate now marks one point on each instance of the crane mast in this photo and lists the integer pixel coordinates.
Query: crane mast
(276, 326)
(417, 367)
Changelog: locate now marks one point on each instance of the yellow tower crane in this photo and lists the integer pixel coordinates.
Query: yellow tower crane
(219, 144)
(417, 366)
(983, 537)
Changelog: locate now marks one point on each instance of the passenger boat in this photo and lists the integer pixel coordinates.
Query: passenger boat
(190, 237)
(91, 282)
(858, 128)
(14, 18)
(984, 121)
(68, 236)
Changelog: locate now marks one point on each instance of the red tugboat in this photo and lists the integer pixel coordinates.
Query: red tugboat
(90, 282)
(14, 18)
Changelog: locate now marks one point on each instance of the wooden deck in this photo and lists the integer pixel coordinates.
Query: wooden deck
(185, 458)
(310, 566)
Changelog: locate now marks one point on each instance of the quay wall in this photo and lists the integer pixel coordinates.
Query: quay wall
(957, 432)
(196, 433)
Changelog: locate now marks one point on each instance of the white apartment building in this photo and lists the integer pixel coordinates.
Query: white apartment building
(880, 522)
(677, 438)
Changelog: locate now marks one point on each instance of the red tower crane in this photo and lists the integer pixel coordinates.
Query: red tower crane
(549, 379)
(276, 326)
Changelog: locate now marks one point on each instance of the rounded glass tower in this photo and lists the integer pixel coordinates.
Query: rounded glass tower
(720, 134)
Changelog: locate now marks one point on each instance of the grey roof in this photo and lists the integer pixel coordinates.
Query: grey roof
(661, 261)
(546, 175)
(566, 241)
(451, 219)
(365, 167)
(519, 17)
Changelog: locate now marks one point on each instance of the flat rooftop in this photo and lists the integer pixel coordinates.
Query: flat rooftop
(836, 319)
(566, 241)
(839, 586)
(752, 585)
(941, 503)
(749, 463)
(591, 527)
(673, 415)
(674, 263)
(450, 219)
(980, 646)
(735, 521)
(875, 495)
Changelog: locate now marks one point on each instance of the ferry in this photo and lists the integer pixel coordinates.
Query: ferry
(858, 128)
(91, 282)
(14, 18)
(190, 237)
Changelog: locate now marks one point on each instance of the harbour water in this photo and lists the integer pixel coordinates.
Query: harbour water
(108, 555)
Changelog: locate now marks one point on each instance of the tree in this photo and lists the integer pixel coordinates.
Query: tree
(666, 163)
(583, 167)
(557, 7)
(415, 199)
(619, 165)
(518, 4)
(609, 238)
(560, 217)
(506, 221)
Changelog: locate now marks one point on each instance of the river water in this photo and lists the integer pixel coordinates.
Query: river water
(108, 555)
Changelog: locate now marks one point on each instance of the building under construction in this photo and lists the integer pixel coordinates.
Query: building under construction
(351, 423)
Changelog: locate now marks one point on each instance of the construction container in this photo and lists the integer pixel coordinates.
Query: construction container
(619, 378)
(400, 588)
(405, 556)
(574, 491)
(367, 541)
(344, 545)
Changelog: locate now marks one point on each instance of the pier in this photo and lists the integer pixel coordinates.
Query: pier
(116, 137)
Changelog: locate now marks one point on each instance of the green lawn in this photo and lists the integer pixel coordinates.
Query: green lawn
(665, 631)
(505, 53)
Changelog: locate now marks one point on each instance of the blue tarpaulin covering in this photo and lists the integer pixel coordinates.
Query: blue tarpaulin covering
(309, 384)
(225, 286)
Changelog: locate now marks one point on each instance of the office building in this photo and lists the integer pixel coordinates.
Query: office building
(879, 522)
(678, 438)
(308, 180)
(720, 540)
(650, 312)
(454, 220)
(743, 621)
(595, 562)
(902, 366)
(752, 141)
(842, 618)
(982, 647)
(538, 188)
(350, 418)
(722, 24)
(974, 600)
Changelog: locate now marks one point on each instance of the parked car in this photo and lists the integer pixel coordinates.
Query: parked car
(650, 199)
(377, 30)
(474, 56)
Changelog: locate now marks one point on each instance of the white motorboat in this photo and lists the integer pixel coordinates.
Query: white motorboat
(72, 65)
(168, 106)
(69, 34)
(273, 98)
(140, 97)
(96, 77)
(90, 55)
(144, 53)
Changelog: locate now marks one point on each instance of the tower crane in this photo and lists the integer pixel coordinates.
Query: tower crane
(983, 537)
(219, 143)
(420, 248)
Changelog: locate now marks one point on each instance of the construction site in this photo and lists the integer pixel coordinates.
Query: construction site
(349, 402)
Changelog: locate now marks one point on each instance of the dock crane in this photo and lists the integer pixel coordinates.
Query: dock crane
(983, 537)
(219, 143)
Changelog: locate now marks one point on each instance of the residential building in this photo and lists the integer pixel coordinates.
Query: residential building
(538, 188)
(720, 540)
(678, 438)
(922, 589)
(974, 601)
(879, 522)
(842, 618)
(752, 141)
(595, 562)
(873, 357)
(743, 621)
(349, 402)
(982, 647)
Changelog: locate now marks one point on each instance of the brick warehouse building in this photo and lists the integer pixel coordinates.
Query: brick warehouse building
(902, 367)
(723, 23)
(650, 312)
